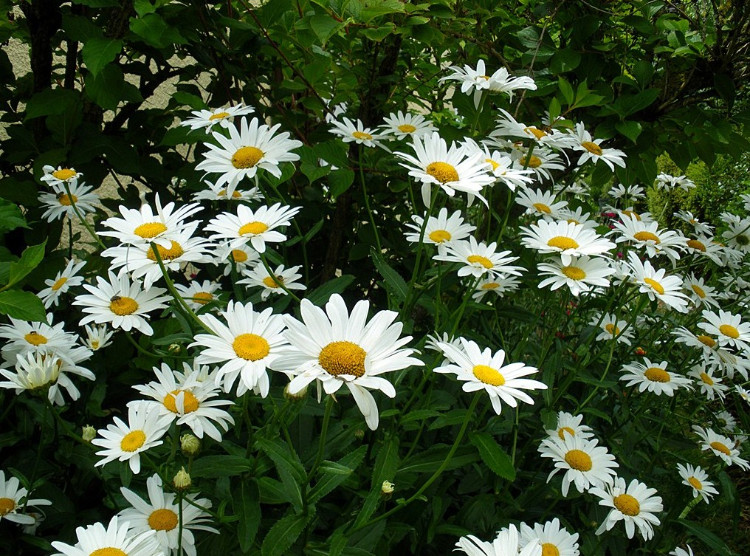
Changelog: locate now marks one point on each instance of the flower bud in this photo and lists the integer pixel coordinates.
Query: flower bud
(297, 396)
(189, 444)
(88, 433)
(182, 480)
(359, 434)
(387, 489)
(175, 348)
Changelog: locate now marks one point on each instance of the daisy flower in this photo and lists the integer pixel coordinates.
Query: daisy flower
(63, 281)
(584, 463)
(701, 341)
(60, 203)
(35, 337)
(728, 328)
(700, 293)
(687, 551)
(499, 82)
(14, 501)
(508, 126)
(357, 133)
(483, 370)
(705, 247)
(742, 393)
(253, 147)
(36, 371)
(186, 398)
(612, 327)
(592, 150)
(499, 285)
(336, 348)
(402, 125)
(125, 442)
(727, 363)
(506, 543)
(666, 181)
(451, 168)
(222, 116)
(161, 514)
(738, 235)
(697, 479)
(577, 216)
(721, 446)
(648, 237)
(478, 258)
(699, 227)
(246, 346)
(567, 239)
(541, 162)
(505, 169)
(629, 212)
(570, 425)
(540, 203)
(635, 504)
(653, 378)
(219, 193)
(632, 192)
(259, 277)
(657, 285)
(583, 274)
(198, 294)
(240, 257)
(255, 226)
(554, 539)
(440, 230)
(121, 302)
(726, 420)
(709, 384)
(57, 176)
(143, 226)
(115, 540)
(97, 337)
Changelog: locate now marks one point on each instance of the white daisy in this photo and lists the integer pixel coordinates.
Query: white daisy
(35, 337)
(240, 257)
(35, 371)
(581, 275)
(697, 479)
(567, 239)
(700, 293)
(57, 176)
(727, 363)
(509, 127)
(125, 442)
(506, 543)
(335, 348)
(403, 125)
(245, 151)
(687, 551)
(726, 420)
(635, 504)
(478, 258)
(656, 284)
(653, 378)
(198, 294)
(728, 328)
(703, 342)
(97, 336)
(703, 246)
(259, 277)
(699, 227)
(540, 203)
(222, 116)
(742, 393)
(255, 226)
(60, 203)
(710, 385)
(114, 540)
(667, 181)
(499, 82)
(14, 501)
(612, 327)
(648, 237)
(356, 133)
(721, 446)
(63, 281)
(219, 193)
(554, 538)
(541, 162)
(246, 346)
(584, 463)
(483, 370)
(631, 192)
(570, 425)
(577, 216)
(499, 285)
(161, 514)
(506, 170)
(738, 235)
(592, 150)
(440, 230)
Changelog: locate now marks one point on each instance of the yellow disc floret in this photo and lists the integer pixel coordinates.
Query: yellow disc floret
(627, 504)
(442, 172)
(479, 259)
(174, 251)
(150, 229)
(579, 460)
(251, 347)
(246, 157)
(123, 305)
(488, 375)
(163, 519)
(593, 148)
(656, 374)
(562, 242)
(253, 228)
(132, 441)
(343, 358)
(189, 402)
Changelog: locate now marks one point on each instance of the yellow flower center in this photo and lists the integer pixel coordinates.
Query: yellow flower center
(7, 505)
(132, 441)
(361, 135)
(439, 236)
(729, 330)
(488, 375)
(239, 256)
(35, 339)
(593, 148)
(253, 228)
(572, 221)
(59, 283)
(273, 282)
(612, 329)
(442, 172)
(549, 549)
(490, 286)
(246, 157)
(573, 272)
(219, 116)
(656, 286)
(627, 504)
(719, 447)
(706, 340)
(95, 344)
(202, 297)
(656, 374)
(123, 305)
(235, 194)
(695, 244)
(578, 460)
(189, 402)
(108, 551)
(492, 163)
(632, 214)
(67, 200)
(698, 291)
(647, 236)
(64, 174)
(562, 430)
(150, 229)
(562, 242)
(696, 484)
(541, 207)
(175, 251)
(707, 379)
(407, 128)
(479, 259)
(531, 161)
(162, 520)
(343, 358)
(538, 133)
(251, 347)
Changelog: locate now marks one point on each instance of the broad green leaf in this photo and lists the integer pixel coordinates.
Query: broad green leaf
(493, 455)
(283, 534)
(212, 467)
(711, 540)
(247, 507)
(324, 26)
(336, 473)
(80, 28)
(564, 60)
(11, 216)
(109, 88)
(379, 33)
(284, 457)
(566, 89)
(340, 181)
(97, 53)
(51, 101)
(155, 31)
(22, 305)
(394, 283)
(320, 295)
(30, 259)
(629, 129)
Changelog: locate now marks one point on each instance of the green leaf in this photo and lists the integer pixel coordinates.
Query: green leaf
(564, 60)
(629, 129)
(386, 464)
(707, 537)
(566, 89)
(108, 88)
(283, 534)
(247, 509)
(22, 305)
(340, 181)
(432, 458)
(630, 104)
(51, 101)
(11, 216)
(30, 259)
(156, 32)
(336, 473)
(394, 283)
(724, 85)
(379, 33)
(80, 28)
(284, 458)
(320, 295)
(554, 109)
(213, 467)
(493, 455)
(97, 53)
(324, 26)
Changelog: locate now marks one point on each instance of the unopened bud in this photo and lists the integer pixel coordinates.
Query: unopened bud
(182, 480)
(297, 396)
(387, 489)
(88, 433)
(189, 444)
(359, 434)
(175, 348)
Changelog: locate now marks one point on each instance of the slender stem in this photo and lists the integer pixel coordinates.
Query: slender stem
(80, 216)
(692, 504)
(277, 280)
(367, 199)
(322, 439)
(417, 263)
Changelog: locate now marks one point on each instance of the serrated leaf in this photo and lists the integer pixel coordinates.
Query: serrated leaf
(320, 295)
(99, 52)
(248, 510)
(284, 458)
(493, 455)
(22, 305)
(386, 464)
(283, 534)
(333, 477)
(394, 283)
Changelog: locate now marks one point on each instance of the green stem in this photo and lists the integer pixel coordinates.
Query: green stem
(322, 440)
(692, 504)
(367, 200)
(80, 216)
(278, 281)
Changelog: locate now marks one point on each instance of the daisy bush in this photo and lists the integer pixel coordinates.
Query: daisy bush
(380, 278)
